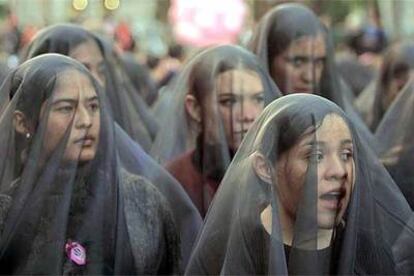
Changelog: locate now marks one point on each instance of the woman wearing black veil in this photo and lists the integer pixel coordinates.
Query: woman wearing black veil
(141, 78)
(395, 71)
(213, 102)
(99, 58)
(303, 195)
(67, 206)
(129, 109)
(395, 135)
(297, 50)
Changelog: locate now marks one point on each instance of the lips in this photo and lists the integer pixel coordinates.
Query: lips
(332, 198)
(303, 89)
(85, 141)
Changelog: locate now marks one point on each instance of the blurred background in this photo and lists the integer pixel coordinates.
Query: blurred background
(153, 29)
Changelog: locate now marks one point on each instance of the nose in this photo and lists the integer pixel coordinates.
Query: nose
(335, 169)
(307, 73)
(83, 118)
(248, 111)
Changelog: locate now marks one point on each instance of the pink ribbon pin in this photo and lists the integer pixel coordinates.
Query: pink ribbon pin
(76, 252)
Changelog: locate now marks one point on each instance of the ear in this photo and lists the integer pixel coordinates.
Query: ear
(193, 107)
(262, 168)
(21, 125)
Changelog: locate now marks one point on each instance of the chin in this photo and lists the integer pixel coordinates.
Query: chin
(86, 156)
(327, 221)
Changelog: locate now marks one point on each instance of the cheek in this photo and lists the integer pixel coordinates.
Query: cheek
(227, 117)
(279, 73)
(318, 73)
(291, 190)
(55, 131)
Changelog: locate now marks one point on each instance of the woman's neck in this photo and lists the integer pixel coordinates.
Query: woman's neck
(324, 236)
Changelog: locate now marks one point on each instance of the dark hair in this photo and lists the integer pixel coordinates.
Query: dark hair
(203, 75)
(299, 120)
(398, 58)
(176, 51)
(36, 86)
(60, 39)
(367, 39)
(290, 22)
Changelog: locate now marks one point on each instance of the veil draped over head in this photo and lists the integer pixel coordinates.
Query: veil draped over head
(141, 79)
(394, 73)
(289, 22)
(133, 124)
(211, 105)
(181, 134)
(67, 206)
(129, 109)
(246, 230)
(395, 135)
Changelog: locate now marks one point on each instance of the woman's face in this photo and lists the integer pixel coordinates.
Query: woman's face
(332, 148)
(89, 54)
(240, 98)
(299, 67)
(395, 85)
(75, 105)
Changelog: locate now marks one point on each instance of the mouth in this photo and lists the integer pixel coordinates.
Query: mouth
(241, 132)
(304, 90)
(85, 141)
(332, 199)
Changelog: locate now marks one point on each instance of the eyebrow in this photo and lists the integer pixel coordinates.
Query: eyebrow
(347, 141)
(70, 100)
(322, 143)
(299, 56)
(93, 98)
(315, 143)
(238, 95)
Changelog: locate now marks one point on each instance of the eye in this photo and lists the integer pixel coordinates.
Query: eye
(347, 155)
(67, 109)
(259, 99)
(227, 102)
(319, 62)
(316, 156)
(94, 107)
(297, 61)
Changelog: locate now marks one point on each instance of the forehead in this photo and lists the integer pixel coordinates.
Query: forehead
(239, 81)
(333, 128)
(72, 83)
(86, 51)
(306, 44)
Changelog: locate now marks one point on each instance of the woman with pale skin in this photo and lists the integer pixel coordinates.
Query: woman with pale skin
(302, 196)
(133, 135)
(67, 206)
(297, 50)
(214, 101)
(95, 55)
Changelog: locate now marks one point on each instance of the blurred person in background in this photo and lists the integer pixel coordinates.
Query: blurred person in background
(396, 68)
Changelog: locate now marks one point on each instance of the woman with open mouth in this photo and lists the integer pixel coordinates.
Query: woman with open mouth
(67, 206)
(304, 195)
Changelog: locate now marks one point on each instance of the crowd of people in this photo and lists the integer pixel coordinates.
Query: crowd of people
(265, 159)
